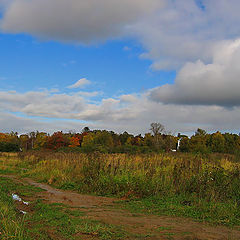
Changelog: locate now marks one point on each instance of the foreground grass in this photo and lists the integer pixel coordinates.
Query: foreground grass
(205, 188)
(47, 221)
(57, 221)
(12, 223)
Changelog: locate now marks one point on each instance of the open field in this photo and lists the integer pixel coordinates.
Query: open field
(154, 194)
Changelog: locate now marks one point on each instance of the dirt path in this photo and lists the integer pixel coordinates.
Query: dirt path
(153, 227)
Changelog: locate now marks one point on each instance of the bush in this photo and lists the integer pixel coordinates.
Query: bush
(9, 147)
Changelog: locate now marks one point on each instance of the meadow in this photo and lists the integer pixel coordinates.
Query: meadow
(203, 187)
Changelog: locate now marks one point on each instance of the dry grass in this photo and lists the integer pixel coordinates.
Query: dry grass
(213, 176)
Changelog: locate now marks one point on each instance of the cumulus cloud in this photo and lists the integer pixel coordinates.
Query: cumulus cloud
(80, 83)
(75, 20)
(217, 83)
(185, 31)
(171, 32)
(43, 104)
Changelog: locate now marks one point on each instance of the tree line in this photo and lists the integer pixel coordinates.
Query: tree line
(157, 140)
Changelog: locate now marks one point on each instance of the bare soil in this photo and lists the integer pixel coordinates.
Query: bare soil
(148, 226)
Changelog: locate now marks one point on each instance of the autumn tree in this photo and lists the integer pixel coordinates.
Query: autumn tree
(57, 140)
(74, 141)
(41, 140)
(3, 137)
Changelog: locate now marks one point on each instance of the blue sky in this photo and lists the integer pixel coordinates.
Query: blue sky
(135, 62)
(114, 67)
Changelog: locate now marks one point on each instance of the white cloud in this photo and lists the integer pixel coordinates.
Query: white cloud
(11, 122)
(217, 83)
(182, 31)
(80, 83)
(43, 104)
(172, 32)
(131, 112)
(75, 20)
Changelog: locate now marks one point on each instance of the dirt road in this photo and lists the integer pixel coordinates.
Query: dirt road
(153, 227)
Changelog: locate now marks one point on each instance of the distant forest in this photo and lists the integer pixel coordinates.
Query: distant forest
(157, 140)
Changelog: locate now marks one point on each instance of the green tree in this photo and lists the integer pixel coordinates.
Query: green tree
(217, 142)
(184, 144)
(198, 142)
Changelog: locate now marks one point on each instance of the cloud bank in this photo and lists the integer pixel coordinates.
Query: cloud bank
(171, 32)
(74, 20)
(187, 31)
(217, 83)
(133, 112)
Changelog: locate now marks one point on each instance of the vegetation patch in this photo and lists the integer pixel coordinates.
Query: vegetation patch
(203, 187)
(12, 222)
(46, 221)
(213, 212)
(62, 223)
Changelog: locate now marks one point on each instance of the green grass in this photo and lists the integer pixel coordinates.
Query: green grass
(10, 186)
(225, 213)
(56, 220)
(12, 223)
(6, 171)
(75, 213)
(164, 228)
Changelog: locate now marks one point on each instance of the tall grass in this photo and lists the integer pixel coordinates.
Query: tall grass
(11, 223)
(213, 177)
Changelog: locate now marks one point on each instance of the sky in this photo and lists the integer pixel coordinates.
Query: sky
(119, 65)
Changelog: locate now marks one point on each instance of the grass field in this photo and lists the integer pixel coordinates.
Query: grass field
(205, 188)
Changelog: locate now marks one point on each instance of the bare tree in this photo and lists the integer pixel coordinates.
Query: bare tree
(32, 137)
(157, 129)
